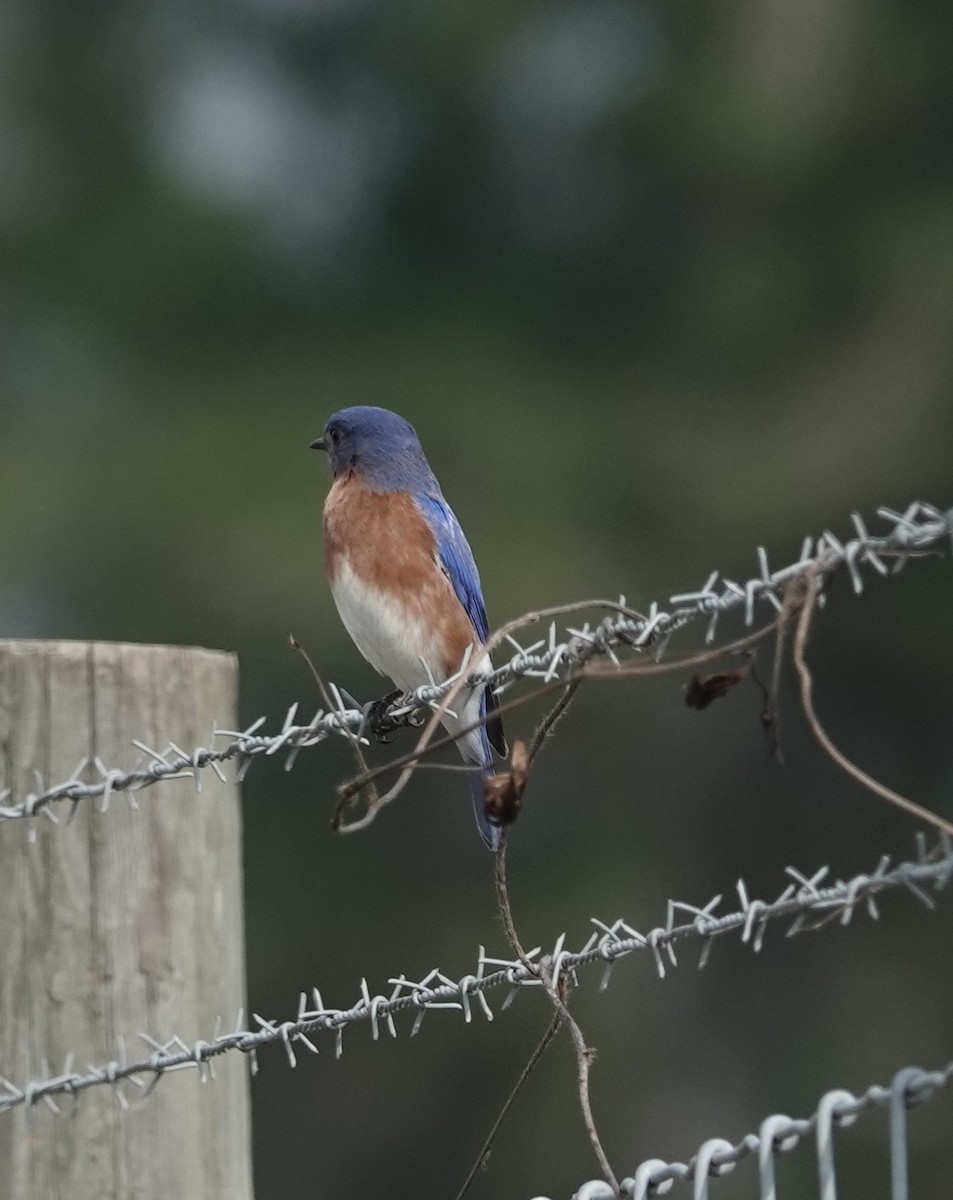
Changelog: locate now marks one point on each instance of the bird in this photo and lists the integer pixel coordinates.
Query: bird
(404, 579)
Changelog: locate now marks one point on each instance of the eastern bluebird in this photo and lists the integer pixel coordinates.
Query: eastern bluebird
(403, 577)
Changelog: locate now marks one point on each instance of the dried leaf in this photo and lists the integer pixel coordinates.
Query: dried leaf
(503, 793)
(702, 691)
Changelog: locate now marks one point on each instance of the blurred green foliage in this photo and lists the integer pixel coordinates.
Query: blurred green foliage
(656, 283)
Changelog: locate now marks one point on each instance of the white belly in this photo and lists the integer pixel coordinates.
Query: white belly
(392, 638)
(397, 642)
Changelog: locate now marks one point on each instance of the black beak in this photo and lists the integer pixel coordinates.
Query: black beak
(319, 444)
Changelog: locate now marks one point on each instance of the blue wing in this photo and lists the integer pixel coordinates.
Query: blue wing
(456, 558)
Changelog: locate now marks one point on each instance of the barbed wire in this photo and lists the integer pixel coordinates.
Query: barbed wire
(780, 1134)
(810, 902)
(921, 527)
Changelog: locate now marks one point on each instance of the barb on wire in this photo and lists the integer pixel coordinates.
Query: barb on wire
(921, 528)
(779, 1134)
(806, 899)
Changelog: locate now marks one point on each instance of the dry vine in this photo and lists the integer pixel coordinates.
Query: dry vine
(504, 791)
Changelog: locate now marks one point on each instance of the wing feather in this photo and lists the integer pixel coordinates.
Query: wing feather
(457, 563)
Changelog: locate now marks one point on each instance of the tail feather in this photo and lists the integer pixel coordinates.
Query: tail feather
(490, 832)
(490, 708)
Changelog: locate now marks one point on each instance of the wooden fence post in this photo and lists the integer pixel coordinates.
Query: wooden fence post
(117, 922)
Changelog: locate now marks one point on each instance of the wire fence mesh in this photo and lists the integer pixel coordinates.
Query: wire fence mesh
(779, 1134)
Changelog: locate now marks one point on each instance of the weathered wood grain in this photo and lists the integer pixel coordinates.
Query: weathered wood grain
(119, 922)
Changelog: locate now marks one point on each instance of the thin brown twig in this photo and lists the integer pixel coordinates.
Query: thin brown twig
(355, 785)
(560, 610)
(698, 659)
(481, 1159)
(378, 802)
(770, 712)
(506, 913)
(545, 728)
(452, 768)
(811, 589)
(584, 1053)
(558, 994)
(326, 697)
(412, 758)
(425, 744)
(503, 791)
(512, 937)
(408, 762)
(530, 618)
(776, 675)
(584, 1057)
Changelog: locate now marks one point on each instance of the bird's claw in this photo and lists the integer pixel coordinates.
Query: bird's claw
(377, 719)
(379, 722)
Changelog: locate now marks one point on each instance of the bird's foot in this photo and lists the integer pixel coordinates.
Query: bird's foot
(377, 719)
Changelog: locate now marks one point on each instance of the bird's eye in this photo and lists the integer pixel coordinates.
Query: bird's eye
(335, 437)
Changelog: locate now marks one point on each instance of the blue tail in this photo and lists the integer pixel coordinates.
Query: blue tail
(489, 830)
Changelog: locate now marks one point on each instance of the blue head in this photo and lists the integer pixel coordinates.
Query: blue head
(380, 447)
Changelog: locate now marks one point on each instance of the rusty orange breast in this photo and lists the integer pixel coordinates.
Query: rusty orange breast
(386, 542)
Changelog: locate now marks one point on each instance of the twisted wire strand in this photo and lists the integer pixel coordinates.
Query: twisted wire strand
(809, 900)
(919, 529)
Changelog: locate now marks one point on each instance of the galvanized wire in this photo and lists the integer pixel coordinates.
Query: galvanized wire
(780, 1134)
(808, 901)
(920, 528)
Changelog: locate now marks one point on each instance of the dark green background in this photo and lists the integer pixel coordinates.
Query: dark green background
(656, 283)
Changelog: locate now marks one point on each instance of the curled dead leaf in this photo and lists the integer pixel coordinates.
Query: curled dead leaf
(503, 793)
(702, 691)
